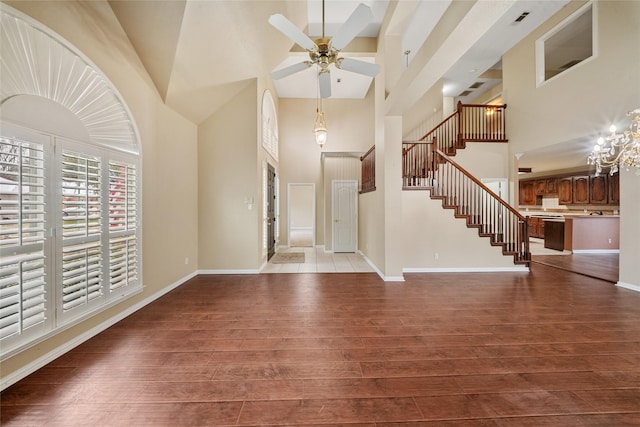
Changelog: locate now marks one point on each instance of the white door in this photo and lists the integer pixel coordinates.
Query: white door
(345, 215)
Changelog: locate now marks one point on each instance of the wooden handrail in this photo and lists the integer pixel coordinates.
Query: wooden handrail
(426, 135)
(368, 170)
(426, 166)
(479, 183)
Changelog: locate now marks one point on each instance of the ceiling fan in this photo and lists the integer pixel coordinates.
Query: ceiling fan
(325, 51)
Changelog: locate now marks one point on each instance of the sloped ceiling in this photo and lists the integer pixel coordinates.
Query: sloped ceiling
(200, 54)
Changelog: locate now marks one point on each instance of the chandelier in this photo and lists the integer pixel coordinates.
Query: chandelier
(618, 150)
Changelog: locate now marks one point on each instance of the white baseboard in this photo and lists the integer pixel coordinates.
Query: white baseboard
(513, 269)
(377, 270)
(251, 271)
(628, 286)
(596, 251)
(76, 341)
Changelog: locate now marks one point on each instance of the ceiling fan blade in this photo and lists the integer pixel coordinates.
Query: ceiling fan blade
(294, 33)
(356, 66)
(291, 69)
(352, 26)
(324, 80)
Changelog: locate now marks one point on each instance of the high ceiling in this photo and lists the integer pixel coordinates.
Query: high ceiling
(199, 54)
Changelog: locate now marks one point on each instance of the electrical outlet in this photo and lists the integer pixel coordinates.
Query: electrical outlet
(186, 261)
(436, 256)
(609, 240)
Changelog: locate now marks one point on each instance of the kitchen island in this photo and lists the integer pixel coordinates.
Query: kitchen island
(592, 233)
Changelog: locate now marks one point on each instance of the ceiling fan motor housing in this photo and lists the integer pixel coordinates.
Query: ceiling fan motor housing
(324, 55)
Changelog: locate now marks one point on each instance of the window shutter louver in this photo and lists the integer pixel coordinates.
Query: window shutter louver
(123, 220)
(82, 280)
(22, 236)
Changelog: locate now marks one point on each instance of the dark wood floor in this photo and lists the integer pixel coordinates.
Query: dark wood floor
(600, 266)
(546, 348)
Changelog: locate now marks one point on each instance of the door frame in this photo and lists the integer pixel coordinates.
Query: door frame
(313, 210)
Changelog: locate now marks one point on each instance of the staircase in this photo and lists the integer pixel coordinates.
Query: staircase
(427, 165)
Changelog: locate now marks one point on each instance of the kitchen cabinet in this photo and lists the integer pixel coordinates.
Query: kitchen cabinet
(583, 189)
(546, 186)
(554, 235)
(565, 191)
(580, 190)
(527, 193)
(613, 196)
(536, 227)
(598, 190)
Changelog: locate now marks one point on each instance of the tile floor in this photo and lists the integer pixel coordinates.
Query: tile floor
(319, 261)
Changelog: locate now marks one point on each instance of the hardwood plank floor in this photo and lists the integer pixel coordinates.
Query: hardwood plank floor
(599, 266)
(546, 348)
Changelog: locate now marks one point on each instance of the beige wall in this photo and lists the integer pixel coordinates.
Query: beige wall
(169, 198)
(433, 239)
(350, 130)
(582, 101)
(227, 165)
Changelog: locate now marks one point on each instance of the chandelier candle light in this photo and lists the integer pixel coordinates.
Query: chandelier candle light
(618, 149)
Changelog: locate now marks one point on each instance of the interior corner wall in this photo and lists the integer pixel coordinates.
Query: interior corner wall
(227, 159)
(351, 129)
(169, 164)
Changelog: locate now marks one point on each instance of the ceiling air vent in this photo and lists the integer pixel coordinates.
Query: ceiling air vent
(521, 17)
(476, 85)
(465, 93)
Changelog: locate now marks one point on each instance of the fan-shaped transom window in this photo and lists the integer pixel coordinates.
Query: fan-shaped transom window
(69, 187)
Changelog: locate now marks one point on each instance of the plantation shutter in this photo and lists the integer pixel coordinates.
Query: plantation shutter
(23, 303)
(82, 260)
(123, 225)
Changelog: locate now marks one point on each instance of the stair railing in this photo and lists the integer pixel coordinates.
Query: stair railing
(483, 209)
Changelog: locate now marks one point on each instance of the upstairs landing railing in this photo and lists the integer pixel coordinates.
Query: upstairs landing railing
(470, 123)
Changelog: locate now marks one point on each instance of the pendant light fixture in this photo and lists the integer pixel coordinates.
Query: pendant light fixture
(320, 127)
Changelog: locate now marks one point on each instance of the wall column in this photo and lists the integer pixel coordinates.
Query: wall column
(393, 198)
(629, 273)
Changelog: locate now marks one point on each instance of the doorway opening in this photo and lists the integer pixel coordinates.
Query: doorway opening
(302, 214)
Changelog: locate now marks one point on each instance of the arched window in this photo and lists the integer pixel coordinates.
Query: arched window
(70, 242)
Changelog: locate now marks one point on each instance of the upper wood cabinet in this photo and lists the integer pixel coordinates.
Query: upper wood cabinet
(598, 190)
(614, 189)
(527, 193)
(572, 190)
(581, 190)
(565, 191)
